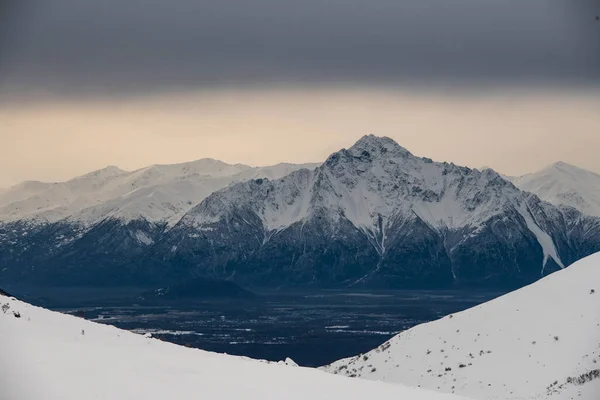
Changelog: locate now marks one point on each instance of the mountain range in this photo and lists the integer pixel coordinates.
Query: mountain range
(372, 215)
(159, 193)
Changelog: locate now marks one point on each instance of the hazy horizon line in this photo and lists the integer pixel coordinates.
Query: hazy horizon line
(230, 163)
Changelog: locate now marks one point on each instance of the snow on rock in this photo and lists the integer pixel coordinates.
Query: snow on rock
(539, 342)
(564, 184)
(22, 191)
(143, 238)
(376, 181)
(542, 237)
(288, 361)
(48, 355)
(279, 203)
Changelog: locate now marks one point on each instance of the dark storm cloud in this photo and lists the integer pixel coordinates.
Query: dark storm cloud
(90, 47)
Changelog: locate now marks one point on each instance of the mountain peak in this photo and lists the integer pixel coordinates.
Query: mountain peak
(106, 172)
(567, 170)
(564, 184)
(378, 145)
(563, 165)
(570, 168)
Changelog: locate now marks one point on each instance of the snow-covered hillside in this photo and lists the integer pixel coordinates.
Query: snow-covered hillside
(51, 356)
(540, 342)
(564, 184)
(155, 193)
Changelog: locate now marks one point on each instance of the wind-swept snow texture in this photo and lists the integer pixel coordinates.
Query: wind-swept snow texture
(539, 342)
(50, 356)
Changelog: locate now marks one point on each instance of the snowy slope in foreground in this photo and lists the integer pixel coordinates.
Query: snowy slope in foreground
(47, 355)
(540, 342)
(564, 184)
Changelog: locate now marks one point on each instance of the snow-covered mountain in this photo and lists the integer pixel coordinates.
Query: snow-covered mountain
(157, 193)
(564, 184)
(371, 215)
(376, 214)
(52, 356)
(540, 342)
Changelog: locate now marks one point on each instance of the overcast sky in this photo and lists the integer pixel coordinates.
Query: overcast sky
(110, 46)
(76, 61)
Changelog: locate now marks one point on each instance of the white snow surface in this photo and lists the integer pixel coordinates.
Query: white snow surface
(514, 347)
(564, 184)
(542, 237)
(52, 356)
(159, 193)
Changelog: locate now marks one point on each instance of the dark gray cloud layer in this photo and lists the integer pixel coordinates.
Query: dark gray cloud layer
(135, 46)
